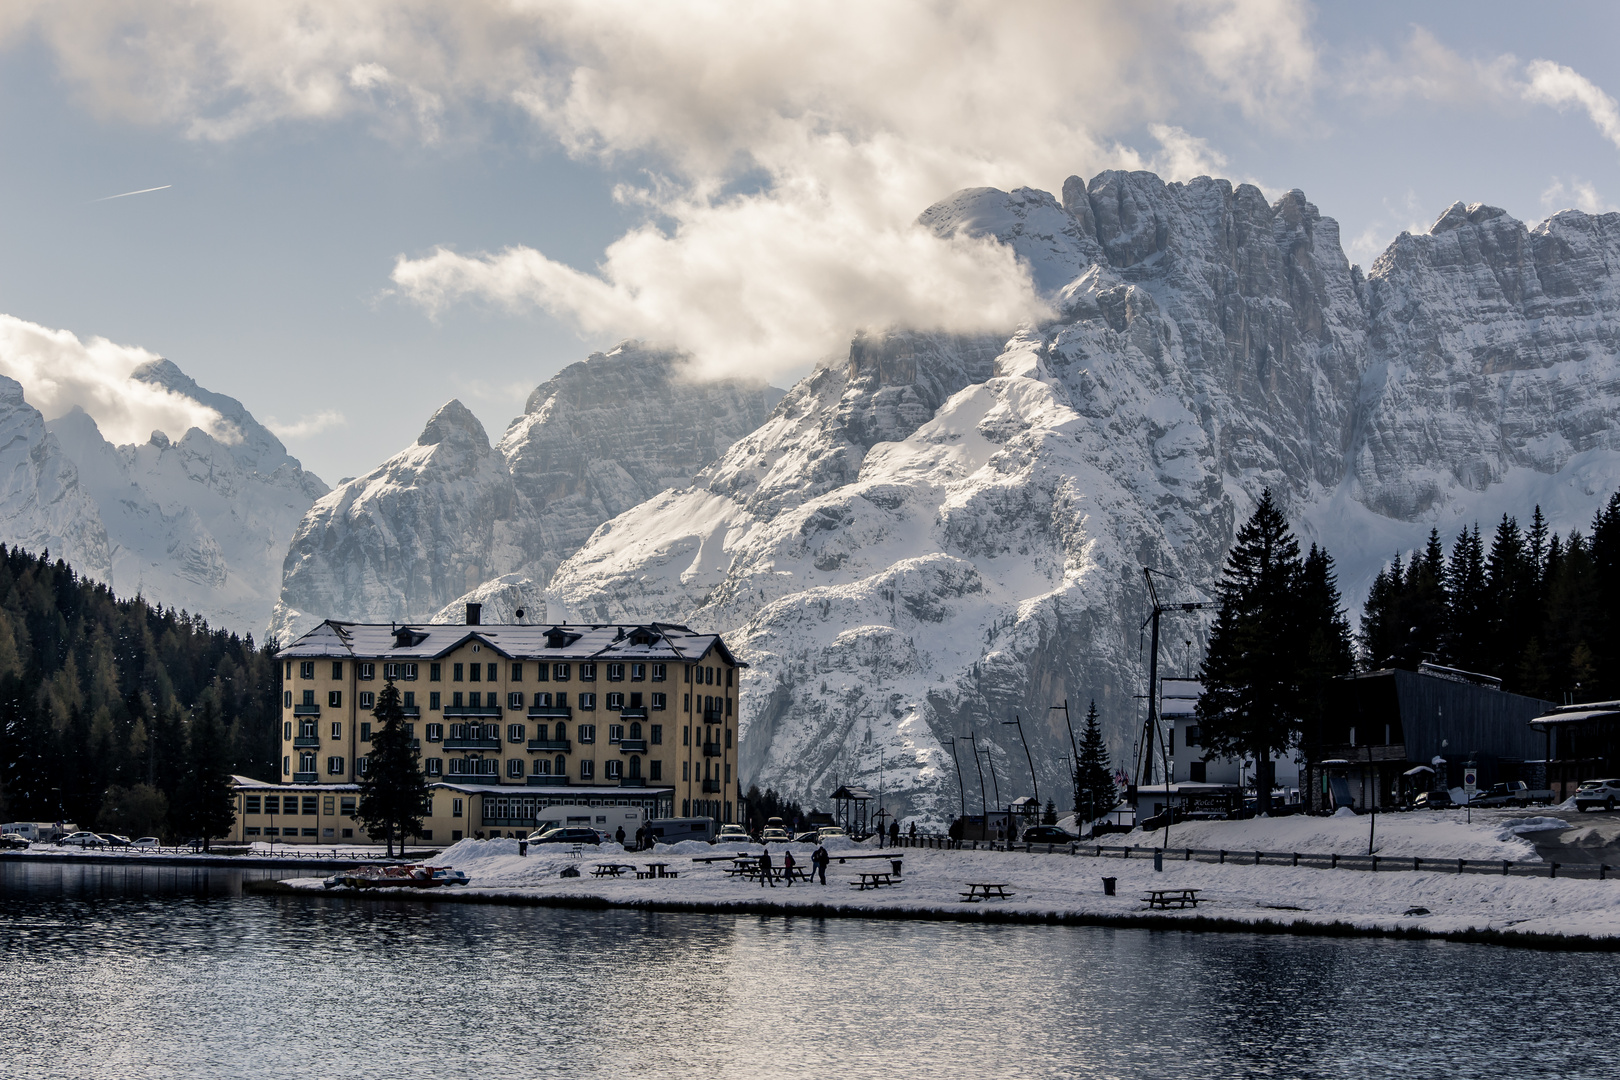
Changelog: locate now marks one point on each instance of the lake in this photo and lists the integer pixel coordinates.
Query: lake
(161, 971)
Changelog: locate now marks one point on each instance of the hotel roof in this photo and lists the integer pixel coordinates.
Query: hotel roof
(660, 642)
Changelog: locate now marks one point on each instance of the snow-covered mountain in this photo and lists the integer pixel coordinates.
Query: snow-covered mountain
(939, 534)
(199, 524)
(444, 515)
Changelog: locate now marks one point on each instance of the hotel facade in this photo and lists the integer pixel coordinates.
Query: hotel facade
(508, 721)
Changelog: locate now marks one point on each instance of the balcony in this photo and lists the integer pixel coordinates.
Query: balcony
(555, 746)
(310, 742)
(548, 781)
(306, 710)
(306, 777)
(632, 746)
(491, 777)
(713, 716)
(472, 744)
(412, 712)
(636, 712)
(711, 787)
(713, 749)
(452, 711)
(550, 712)
(632, 781)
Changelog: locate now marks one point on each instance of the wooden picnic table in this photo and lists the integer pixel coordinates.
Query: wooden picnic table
(609, 869)
(1168, 898)
(985, 890)
(875, 879)
(657, 870)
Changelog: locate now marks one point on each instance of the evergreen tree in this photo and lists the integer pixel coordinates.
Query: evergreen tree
(392, 791)
(1095, 791)
(204, 803)
(1279, 635)
(1467, 604)
(1050, 818)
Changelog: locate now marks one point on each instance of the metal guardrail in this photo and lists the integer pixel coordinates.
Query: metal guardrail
(1332, 861)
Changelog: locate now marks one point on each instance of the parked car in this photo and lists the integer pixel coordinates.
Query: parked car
(12, 841)
(82, 839)
(1432, 800)
(775, 836)
(807, 837)
(567, 836)
(1597, 795)
(146, 842)
(1048, 834)
(732, 834)
(114, 840)
(827, 832)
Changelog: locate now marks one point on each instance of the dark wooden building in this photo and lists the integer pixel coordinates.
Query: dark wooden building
(1384, 728)
(1580, 742)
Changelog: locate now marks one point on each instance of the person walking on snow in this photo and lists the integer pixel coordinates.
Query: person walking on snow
(818, 862)
(787, 867)
(765, 869)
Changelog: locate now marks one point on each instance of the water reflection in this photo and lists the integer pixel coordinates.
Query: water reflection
(172, 975)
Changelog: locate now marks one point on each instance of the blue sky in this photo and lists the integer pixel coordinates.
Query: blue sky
(742, 185)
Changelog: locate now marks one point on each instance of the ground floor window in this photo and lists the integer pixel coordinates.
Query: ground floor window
(348, 834)
(309, 832)
(251, 830)
(455, 834)
(327, 833)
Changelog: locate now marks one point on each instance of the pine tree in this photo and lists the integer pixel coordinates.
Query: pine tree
(1279, 635)
(204, 804)
(1467, 605)
(392, 791)
(1095, 791)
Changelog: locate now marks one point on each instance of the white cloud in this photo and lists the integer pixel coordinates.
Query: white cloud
(58, 371)
(838, 122)
(313, 424)
(1559, 86)
(1577, 193)
(1182, 155)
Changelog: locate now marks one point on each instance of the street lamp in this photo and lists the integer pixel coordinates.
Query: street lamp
(1036, 784)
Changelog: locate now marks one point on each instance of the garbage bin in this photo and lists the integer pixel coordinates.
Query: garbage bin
(1158, 859)
(523, 847)
(1108, 886)
(896, 864)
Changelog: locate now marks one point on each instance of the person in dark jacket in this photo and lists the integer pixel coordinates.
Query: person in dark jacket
(765, 869)
(819, 861)
(619, 836)
(787, 867)
(894, 833)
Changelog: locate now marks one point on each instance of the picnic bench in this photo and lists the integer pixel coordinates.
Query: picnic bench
(985, 890)
(1169, 898)
(609, 869)
(875, 879)
(657, 870)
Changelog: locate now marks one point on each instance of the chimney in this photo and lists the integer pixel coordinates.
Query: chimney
(475, 614)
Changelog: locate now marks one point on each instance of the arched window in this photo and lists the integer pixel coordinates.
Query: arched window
(635, 730)
(635, 765)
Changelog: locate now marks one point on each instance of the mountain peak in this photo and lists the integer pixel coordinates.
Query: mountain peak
(453, 421)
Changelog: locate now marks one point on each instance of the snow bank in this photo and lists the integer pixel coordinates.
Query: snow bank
(1438, 834)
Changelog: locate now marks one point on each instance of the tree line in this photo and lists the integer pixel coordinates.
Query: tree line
(1537, 610)
(121, 715)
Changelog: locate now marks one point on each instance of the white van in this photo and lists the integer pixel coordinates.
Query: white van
(607, 820)
(674, 830)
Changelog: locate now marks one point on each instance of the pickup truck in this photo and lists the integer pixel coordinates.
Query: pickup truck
(1515, 794)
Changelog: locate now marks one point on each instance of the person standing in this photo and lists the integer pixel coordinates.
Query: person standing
(818, 862)
(765, 869)
(619, 836)
(894, 833)
(787, 867)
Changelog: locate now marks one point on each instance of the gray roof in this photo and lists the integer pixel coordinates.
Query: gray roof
(660, 642)
(571, 791)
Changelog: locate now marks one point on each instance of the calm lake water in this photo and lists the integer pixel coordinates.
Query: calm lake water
(164, 972)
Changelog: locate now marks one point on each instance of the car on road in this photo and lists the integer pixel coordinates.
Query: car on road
(567, 836)
(81, 839)
(146, 842)
(732, 834)
(1597, 795)
(807, 837)
(1048, 834)
(13, 841)
(1432, 800)
(775, 836)
(115, 840)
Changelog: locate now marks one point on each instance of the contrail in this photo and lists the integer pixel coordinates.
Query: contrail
(143, 191)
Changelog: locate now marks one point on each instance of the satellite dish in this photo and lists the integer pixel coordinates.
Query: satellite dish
(518, 613)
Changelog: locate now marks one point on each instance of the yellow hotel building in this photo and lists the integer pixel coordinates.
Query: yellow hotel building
(507, 719)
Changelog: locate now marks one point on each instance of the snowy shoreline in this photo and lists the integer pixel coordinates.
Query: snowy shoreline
(1536, 912)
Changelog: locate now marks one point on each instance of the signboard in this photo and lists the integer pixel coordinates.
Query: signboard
(1470, 780)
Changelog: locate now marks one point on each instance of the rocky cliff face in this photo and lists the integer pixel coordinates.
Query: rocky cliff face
(452, 511)
(980, 557)
(42, 505)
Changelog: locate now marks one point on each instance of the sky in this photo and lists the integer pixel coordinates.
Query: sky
(367, 209)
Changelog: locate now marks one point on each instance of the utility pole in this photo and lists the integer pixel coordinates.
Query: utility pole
(1150, 731)
(1074, 771)
(994, 786)
(961, 792)
(1017, 722)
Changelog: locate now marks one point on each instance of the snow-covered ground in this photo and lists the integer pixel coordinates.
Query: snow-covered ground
(1441, 834)
(1070, 886)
